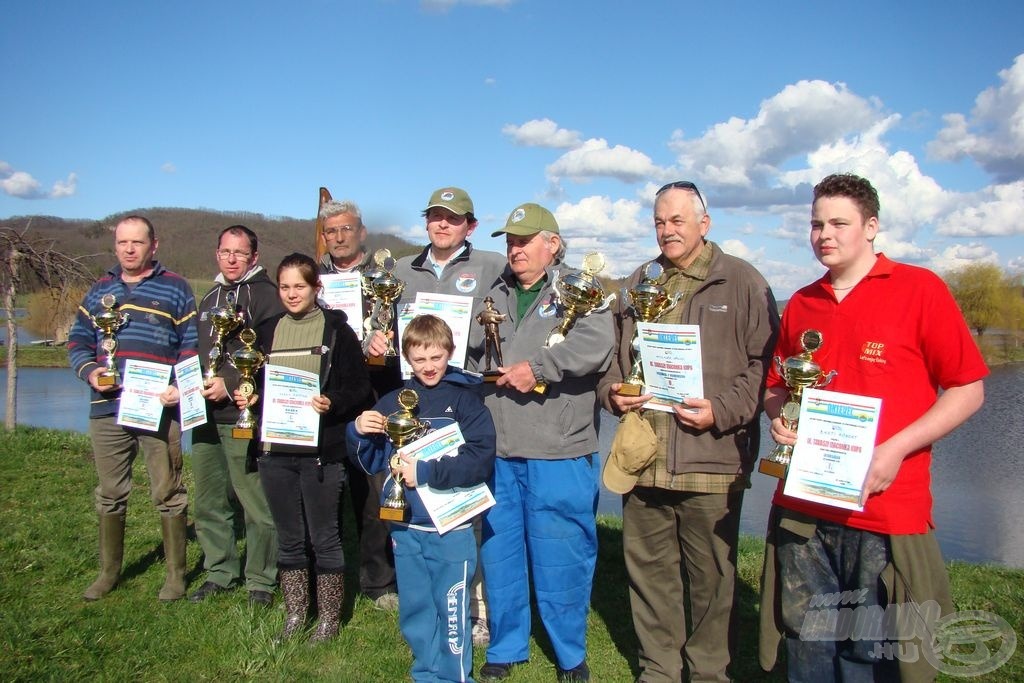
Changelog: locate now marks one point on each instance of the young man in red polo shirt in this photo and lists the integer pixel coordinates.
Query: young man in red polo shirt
(891, 331)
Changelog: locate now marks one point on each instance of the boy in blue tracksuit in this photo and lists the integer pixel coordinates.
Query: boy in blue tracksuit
(434, 571)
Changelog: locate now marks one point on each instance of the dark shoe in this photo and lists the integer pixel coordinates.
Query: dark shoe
(206, 590)
(497, 671)
(330, 594)
(261, 598)
(295, 588)
(580, 672)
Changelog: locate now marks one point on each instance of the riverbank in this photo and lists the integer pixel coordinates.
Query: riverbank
(48, 556)
(33, 356)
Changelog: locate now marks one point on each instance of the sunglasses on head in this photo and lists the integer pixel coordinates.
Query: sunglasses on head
(683, 185)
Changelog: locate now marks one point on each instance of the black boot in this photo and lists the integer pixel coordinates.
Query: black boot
(111, 557)
(295, 588)
(330, 593)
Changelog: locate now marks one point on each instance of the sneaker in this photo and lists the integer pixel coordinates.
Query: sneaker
(261, 598)
(387, 602)
(206, 590)
(497, 671)
(580, 672)
(481, 634)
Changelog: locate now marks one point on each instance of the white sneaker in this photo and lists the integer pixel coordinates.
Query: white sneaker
(481, 634)
(387, 602)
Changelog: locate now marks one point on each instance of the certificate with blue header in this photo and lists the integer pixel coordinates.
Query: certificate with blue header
(454, 309)
(672, 364)
(835, 442)
(344, 292)
(191, 404)
(288, 414)
(142, 384)
(448, 508)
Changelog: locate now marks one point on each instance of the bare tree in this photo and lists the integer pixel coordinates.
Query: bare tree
(52, 269)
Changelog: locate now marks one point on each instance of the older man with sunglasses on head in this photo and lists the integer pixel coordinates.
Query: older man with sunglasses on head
(680, 520)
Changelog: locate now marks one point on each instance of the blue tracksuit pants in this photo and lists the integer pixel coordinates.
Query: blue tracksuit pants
(434, 573)
(543, 526)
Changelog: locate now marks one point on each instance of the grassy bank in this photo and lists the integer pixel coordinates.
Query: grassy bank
(48, 557)
(38, 356)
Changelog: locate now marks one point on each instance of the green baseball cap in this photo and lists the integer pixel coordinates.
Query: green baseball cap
(528, 219)
(454, 199)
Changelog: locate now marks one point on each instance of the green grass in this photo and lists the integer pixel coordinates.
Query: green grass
(48, 557)
(38, 356)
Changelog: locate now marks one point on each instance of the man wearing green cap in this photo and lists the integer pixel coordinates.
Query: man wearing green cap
(545, 476)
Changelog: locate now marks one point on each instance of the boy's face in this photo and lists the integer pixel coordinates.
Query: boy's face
(428, 363)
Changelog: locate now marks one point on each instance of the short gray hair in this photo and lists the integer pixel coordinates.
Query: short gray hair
(335, 208)
(546, 235)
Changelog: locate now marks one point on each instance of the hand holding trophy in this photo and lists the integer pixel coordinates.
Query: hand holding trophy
(648, 301)
(800, 372)
(402, 427)
(109, 322)
(384, 289)
(247, 361)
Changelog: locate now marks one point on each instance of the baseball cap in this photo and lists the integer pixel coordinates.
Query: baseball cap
(633, 450)
(528, 219)
(454, 199)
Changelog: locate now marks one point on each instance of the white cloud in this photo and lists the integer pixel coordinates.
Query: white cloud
(447, 5)
(23, 186)
(594, 158)
(994, 134)
(490, 80)
(542, 133)
(417, 234)
(995, 211)
(621, 230)
(169, 167)
(960, 255)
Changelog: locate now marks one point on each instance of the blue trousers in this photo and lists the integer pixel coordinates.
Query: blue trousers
(434, 573)
(543, 526)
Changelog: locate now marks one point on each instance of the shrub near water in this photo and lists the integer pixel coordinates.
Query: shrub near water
(48, 555)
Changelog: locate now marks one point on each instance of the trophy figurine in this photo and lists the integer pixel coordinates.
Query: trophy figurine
(109, 322)
(247, 361)
(648, 301)
(224, 320)
(384, 290)
(402, 427)
(490, 318)
(579, 294)
(799, 372)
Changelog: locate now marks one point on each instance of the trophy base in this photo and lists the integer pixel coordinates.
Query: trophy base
(377, 361)
(242, 433)
(541, 388)
(491, 376)
(394, 514)
(631, 389)
(107, 380)
(772, 468)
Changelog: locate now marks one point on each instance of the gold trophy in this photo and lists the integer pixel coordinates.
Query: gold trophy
(247, 361)
(384, 290)
(224, 320)
(648, 301)
(109, 322)
(579, 294)
(800, 372)
(402, 427)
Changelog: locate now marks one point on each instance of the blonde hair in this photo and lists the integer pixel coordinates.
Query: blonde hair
(427, 330)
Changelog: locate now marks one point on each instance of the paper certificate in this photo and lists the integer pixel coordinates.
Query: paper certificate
(288, 415)
(140, 394)
(448, 508)
(455, 310)
(406, 312)
(344, 292)
(835, 442)
(191, 404)
(672, 365)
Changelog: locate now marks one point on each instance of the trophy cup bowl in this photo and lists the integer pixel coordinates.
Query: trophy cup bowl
(109, 321)
(247, 361)
(799, 372)
(224, 320)
(649, 301)
(385, 289)
(401, 428)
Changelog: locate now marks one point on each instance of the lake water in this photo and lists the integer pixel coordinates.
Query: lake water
(977, 471)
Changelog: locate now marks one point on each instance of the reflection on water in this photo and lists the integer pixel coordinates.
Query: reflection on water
(977, 471)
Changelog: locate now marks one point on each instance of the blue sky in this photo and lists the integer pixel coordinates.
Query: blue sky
(584, 107)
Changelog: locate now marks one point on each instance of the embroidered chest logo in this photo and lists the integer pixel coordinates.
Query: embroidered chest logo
(873, 352)
(466, 282)
(548, 307)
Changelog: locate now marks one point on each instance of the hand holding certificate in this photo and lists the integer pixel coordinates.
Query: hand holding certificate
(672, 366)
(140, 405)
(288, 413)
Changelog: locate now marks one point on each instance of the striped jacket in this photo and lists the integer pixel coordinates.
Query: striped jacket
(161, 327)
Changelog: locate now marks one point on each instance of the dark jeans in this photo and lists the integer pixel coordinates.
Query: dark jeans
(835, 571)
(376, 558)
(303, 497)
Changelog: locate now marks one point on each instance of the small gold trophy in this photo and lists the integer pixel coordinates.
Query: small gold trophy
(109, 322)
(648, 301)
(384, 290)
(579, 294)
(491, 318)
(224, 320)
(402, 427)
(800, 372)
(247, 361)
(371, 272)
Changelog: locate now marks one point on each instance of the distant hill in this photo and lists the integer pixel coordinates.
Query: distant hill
(188, 237)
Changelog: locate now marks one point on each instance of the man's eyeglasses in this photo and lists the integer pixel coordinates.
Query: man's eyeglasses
(226, 254)
(344, 229)
(683, 185)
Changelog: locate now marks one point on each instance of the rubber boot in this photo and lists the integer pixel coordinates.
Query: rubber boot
(330, 593)
(174, 553)
(295, 588)
(111, 556)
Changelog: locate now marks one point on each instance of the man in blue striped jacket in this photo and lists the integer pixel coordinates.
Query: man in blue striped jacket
(161, 328)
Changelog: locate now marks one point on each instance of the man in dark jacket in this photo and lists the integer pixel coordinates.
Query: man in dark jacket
(219, 460)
